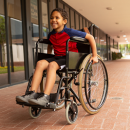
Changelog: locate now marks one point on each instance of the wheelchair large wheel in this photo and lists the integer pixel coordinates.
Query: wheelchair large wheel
(35, 112)
(93, 86)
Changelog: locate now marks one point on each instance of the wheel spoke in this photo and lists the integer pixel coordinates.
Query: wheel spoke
(94, 85)
(72, 117)
(35, 111)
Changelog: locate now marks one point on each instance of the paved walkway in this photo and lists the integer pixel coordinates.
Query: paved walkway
(114, 115)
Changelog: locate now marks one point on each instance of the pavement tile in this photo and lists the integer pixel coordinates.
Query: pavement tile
(31, 127)
(46, 127)
(108, 123)
(69, 127)
(95, 126)
(119, 127)
(114, 115)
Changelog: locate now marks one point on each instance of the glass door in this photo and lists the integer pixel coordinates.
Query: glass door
(15, 41)
(35, 27)
(96, 37)
(3, 53)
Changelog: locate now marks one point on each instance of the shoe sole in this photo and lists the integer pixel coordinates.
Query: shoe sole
(36, 103)
(20, 100)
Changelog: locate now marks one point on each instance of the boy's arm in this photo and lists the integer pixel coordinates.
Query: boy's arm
(49, 49)
(91, 40)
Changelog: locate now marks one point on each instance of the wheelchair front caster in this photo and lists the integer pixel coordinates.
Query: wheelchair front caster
(71, 113)
(34, 112)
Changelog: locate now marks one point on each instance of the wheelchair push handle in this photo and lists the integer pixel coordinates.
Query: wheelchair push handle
(45, 41)
(79, 39)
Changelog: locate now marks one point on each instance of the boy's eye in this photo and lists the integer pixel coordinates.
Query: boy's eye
(54, 18)
(57, 17)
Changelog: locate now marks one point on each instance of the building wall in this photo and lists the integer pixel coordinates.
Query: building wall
(25, 21)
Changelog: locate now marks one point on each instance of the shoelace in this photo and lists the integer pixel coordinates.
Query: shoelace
(40, 95)
(28, 93)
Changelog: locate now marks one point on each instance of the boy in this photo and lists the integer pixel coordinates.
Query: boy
(58, 38)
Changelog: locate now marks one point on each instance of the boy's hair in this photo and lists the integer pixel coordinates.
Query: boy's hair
(62, 12)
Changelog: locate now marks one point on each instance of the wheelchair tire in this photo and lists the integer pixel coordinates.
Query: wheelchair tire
(35, 112)
(70, 116)
(93, 86)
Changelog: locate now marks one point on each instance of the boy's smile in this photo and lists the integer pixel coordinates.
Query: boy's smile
(57, 22)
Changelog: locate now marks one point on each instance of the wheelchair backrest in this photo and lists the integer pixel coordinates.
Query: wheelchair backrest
(75, 59)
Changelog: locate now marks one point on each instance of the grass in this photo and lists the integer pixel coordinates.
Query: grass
(4, 70)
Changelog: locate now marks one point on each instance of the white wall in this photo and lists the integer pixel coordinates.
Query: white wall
(18, 55)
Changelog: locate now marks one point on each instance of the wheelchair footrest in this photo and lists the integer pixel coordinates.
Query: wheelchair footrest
(51, 105)
(48, 106)
(53, 97)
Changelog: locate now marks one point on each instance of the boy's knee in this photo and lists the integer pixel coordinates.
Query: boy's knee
(41, 63)
(53, 65)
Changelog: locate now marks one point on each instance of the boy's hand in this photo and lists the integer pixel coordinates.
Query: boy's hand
(94, 59)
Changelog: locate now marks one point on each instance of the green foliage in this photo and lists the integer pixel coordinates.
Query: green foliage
(2, 39)
(2, 30)
(128, 45)
(16, 68)
(44, 29)
(116, 55)
(113, 56)
(125, 48)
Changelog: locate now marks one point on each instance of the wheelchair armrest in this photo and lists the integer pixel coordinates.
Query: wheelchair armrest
(79, 39)
(45, 41)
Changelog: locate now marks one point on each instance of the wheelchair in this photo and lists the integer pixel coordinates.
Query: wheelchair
(91, 80)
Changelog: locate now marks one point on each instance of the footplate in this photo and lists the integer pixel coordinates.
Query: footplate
(48, 105)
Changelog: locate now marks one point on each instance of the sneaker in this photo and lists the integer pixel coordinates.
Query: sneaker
(41, 100)
(26, 97)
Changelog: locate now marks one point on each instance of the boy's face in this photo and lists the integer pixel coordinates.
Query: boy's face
(57, 22)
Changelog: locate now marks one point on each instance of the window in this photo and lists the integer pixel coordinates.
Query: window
(45, 18)
(89, 24)
(111, 42)
(52, 5)
(115, 45)
(68, 22)
(96, 37)
(81, 26)
(77, 21)
(103, 51)
(34, 20)
(60, 4)
(3, 55)
(15, 41)
(72, 19)
(84, 23)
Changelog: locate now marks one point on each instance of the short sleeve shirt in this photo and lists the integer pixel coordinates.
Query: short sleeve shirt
(58, 40)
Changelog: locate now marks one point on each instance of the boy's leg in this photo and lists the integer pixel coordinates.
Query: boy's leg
(50, 80)
(37, 77)
(51, 77)
(40, 67)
